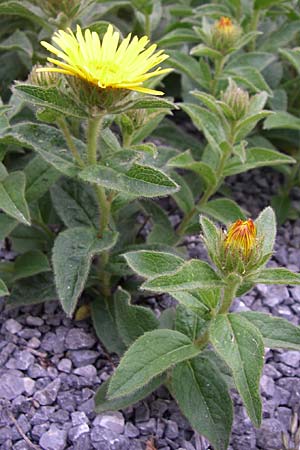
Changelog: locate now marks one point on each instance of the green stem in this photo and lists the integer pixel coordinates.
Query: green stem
(211, 190)
(219, 64)
(94, 128)
(229, 293)
(147, 26)
(254, 26)
(69, 140)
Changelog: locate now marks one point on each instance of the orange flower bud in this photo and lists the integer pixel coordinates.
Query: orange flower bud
(225, 24)
(241, 236)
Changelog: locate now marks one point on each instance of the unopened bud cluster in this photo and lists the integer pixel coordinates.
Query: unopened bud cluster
(42, 79)
(224, 34)
(237, 99)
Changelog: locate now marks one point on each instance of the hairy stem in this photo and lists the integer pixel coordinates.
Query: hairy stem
(61, 122)
(229, 294)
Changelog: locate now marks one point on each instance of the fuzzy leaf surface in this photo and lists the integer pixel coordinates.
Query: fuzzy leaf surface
(278, 275)
(12, 197)
(149, 356)
(266, 230)
(148, 263)
(223, 209)
(241, 346)
(203, 397)
(276, 332)
(186, 161)
(193, 274)
(72, 255)
(30, 263)
(142, 181)
(102, 403)
(132, 320)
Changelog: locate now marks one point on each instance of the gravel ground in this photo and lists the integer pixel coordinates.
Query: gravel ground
(50, 368)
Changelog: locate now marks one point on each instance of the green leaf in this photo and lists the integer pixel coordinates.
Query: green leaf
(281, 203)
(148, 102)
(7, 225)
(223, 209)
(40, 175)
(207, 122)
(249, 76)
(188, 322)
(72, 255)
(293, 56)
(17, 41)
(193, 274)
(102, 404)
(185, 160)
(203, 50)
(75, 203)
(281, 36)
(149, 356)
(203, 397)
(53, 150)
(142, 181)
(188, 65)
(3, 289)
(282, 119)
(51, 98)
(265, 4)
(132, 320)
(211, 234)
(30, 263)
(240, 344)
(192, 301)
(256, 157)
(177, 37)
(12, 197)
(184, 198)
(23, 9)
(259, 60)
(151, 263)
(276, 332)
(33, 290)
(103, 317)
(162, 231)
(276, 276)
(266, 230)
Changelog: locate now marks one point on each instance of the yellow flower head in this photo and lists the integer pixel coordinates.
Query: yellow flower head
(106, 63)
(241, 236)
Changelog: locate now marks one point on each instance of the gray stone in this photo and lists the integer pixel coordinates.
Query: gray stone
(48, 395)
(267, 386)
(36, 371)
(21, 361)
(34, 321)
(108, 440)
(21, 445)
(29, 385)
(60, 416)
(38, 430)
(65, 365)
(75, 432)
(77, 339)
(291, 358)
(13, 326)
(11, 386)
(148, 427)
(131, 431)
(113, 421)
(79, 418)
(82, 358)
(88, 371)
(34, 342)
(54, 439)
(142, 413)
(5, 434)
(171, 430)
(269, 435)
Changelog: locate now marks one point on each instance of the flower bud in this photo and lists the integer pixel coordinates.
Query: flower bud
(224, 34)
(241, 237)
(42, 79)
(237, 99)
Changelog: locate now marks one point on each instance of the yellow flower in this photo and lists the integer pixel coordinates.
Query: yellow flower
(106, 64)
(241, 236)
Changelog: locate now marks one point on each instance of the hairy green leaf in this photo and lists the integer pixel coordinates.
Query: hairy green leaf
(151, 263)
(149, 356)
